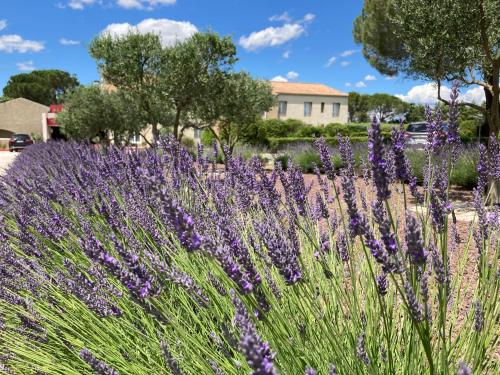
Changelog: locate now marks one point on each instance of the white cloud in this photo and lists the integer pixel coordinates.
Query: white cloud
(309, 17)
(292, 75)
(68, 42)
(279, 79)
(285, 17)
(3, 24)
(345, 63)
(360, 84)
(427, 94)
(143, 4)
(169, 31)
(330, 61)
(348, 84)
(474, 95)
(272, 36)
(369, 77)
(389, 78)
(348, 52)
(26, 66)
(80, 4)
(15, 43)
(286, 54)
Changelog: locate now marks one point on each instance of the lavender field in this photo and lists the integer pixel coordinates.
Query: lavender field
(159, 262)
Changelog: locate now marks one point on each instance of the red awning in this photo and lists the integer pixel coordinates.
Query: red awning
(52, 122)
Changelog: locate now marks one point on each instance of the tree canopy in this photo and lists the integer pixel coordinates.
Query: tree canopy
(91, 112)
(425, 40)
(42, 86)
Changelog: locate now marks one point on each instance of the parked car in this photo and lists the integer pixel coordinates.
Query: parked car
(19, 142)
(416, 133)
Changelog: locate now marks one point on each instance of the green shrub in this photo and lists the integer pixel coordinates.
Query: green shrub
(275, 144)
(417, 162)
(207, 137)
(309, 131)
(464, 172)
(283, 159)
(468, 129)
(255, 134)
(306, 160)
(280, 128)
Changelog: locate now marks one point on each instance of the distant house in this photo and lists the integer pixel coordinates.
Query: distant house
(312, 103)
(21, 116)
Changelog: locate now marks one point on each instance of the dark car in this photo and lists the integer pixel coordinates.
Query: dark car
(19, 141)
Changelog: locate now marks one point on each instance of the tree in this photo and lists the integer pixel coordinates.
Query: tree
(42, 86)
(91, 112)
(415, 112)
(195, 72)
(357, 107)
(132, 64)
(385, 106)
(236, 107)
(423, 40)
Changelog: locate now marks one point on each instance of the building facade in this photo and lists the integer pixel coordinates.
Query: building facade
(21, 116)
(313, 103)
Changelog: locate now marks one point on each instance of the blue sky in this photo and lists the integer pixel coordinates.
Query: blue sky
(303, 41)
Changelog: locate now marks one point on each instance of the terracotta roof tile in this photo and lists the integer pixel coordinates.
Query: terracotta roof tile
(294, 88)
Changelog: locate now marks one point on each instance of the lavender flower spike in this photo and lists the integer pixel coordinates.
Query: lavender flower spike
(257, 353)
(416, 251)
(376, 158)
(463, 369)
(99, 367)
(310, 371)
(325, 158)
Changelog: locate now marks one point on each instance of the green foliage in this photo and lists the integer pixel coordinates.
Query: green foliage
(276, 144)
(207, 137)
(385, 106)
(42, 86)
(307, 160)
(4, 99)
(92, 112)
(415, 113)
(132, 64)
(468, 129)
(284, 160)
(464, 172)
(420, 39)
(357, 107)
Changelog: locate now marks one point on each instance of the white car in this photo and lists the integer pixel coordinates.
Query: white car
(416, 134)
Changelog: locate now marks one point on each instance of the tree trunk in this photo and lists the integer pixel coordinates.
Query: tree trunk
(493, 108)
(176, 122)
(156, 135)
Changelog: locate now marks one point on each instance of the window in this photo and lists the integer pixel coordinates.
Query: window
(336, 109)
(322, 107)
(197, 133)
(282, 108)
(307, 109)
(135, 139)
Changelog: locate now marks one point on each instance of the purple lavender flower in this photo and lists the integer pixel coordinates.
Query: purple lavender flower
(440, 206)
(463, 369)
(376, 158)
(99, 367)
(172, 364)
(342, 247)
(478, 316)
(310, 371)
(436, 136)
(382, 284)
(257, 352)
(349, 193)
(398, 149)
(361, 350)
(325, 158)
(384, 226)
(453, 112)
(183, 224)
(282, 249)
(424, 290)
(494, 158)
(415, 308)
(415, 249)
(332, 370)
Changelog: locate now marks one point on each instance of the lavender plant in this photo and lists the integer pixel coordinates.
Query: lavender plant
(157, 262)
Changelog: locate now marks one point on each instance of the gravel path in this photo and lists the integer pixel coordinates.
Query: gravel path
(5, 159)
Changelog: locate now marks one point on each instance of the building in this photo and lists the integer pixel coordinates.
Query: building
(313, 103)
(21, 116)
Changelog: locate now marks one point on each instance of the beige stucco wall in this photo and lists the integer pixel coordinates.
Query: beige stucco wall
(21, 116)
(295, 109)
